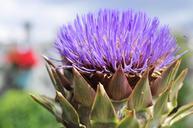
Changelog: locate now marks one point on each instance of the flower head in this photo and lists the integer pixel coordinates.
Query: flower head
(105, 40)
(115, 65)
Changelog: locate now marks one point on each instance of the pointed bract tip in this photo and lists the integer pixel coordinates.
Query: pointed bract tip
(59, 95)
(119, 87)
(48, 61)
(33, 97)
(100, 89)
(76, 72)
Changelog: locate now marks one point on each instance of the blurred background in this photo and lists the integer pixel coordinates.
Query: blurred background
(28, 29)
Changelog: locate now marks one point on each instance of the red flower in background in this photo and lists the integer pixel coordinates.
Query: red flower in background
(23, 59)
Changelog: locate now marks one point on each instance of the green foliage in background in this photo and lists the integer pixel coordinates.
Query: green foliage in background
(18, 110)
(186, 90)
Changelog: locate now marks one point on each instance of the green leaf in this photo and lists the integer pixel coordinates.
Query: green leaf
(69, 114)
(182, 112)
(141, 96)
(176, 86)
(102, 113)
(83, 92)
(160, 107)
(128, 122)
(49, 104)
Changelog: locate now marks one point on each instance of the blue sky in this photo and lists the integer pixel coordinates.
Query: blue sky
(47, 15)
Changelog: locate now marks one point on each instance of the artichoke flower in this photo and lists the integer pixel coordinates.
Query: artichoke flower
(118, 70)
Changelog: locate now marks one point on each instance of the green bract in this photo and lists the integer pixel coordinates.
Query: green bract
(78, 105)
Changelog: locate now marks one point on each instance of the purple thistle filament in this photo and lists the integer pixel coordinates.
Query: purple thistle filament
(102, 41)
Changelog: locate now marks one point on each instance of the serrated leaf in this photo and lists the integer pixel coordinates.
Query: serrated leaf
(141, 96)
(181, 113)
(83, 92)
(102, 113)
(128, 122)
(176, 86)
(49, 104)
(160, 107)
(69, 114)
(118, 87)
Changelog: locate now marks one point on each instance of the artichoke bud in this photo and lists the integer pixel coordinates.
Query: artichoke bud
(118, 70)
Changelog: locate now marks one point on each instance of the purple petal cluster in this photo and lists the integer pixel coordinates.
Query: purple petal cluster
(105, 40)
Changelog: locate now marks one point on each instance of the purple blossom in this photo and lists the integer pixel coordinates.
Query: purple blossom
(105, 40)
